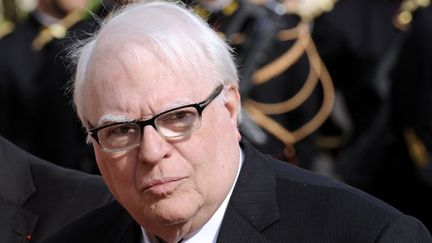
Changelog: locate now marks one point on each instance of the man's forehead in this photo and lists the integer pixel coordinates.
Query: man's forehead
(121, 103)
(133, 77)
(112, 54)
(134, 66)
(123, 50)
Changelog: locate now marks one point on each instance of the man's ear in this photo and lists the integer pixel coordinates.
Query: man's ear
(233, 105)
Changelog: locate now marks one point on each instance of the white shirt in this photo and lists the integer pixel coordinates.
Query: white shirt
(209, 232)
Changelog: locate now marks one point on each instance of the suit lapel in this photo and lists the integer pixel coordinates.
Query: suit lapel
(253, 206)
(16, 223)
(13, 196)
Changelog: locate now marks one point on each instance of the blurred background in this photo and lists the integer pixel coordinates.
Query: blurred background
(339, 87)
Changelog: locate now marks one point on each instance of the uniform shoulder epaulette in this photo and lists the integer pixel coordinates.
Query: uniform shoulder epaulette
(59, 30)
(261, 112)
(6, 28)
(404, 16)
(205, 14)
(310, 9)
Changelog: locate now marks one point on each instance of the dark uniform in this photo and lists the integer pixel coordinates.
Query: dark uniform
(406, 171)
(352, 41)
(391, 115)
(253, 31)
(36, 109)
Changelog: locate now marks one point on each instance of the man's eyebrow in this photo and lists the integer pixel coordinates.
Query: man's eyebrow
(110, 118)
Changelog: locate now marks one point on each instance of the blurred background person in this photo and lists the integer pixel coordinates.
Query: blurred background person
(279, 73)
(352, 39)
(35, 108)
(406, 171)
(382, 116)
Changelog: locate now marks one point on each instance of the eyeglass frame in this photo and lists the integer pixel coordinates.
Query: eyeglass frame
(200, 106)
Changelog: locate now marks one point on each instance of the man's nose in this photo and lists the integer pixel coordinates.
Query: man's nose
(153, 146)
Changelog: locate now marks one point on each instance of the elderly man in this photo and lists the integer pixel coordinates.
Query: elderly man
(157, 90)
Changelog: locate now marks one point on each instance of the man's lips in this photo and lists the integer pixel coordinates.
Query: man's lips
(162, 185)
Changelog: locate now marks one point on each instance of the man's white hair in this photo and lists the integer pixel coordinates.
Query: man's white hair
(175, 33)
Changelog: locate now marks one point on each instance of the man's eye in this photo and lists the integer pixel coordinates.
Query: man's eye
(184, 116)
(180, 115)
(178, 120)
(120, 130)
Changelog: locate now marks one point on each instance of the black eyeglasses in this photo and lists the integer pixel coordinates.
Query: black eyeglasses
(174, 123)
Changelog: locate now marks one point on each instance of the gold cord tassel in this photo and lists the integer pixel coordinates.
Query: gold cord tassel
(259, 112)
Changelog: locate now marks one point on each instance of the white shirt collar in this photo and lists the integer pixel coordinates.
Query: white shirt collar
(210, 231)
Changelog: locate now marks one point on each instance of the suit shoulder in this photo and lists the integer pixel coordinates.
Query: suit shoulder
(328, 188)
(331, 207)
(108, 223)
(305, 184)
(51, 177)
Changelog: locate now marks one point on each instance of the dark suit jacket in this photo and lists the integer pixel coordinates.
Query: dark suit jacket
(274, 202)
(37, 197)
